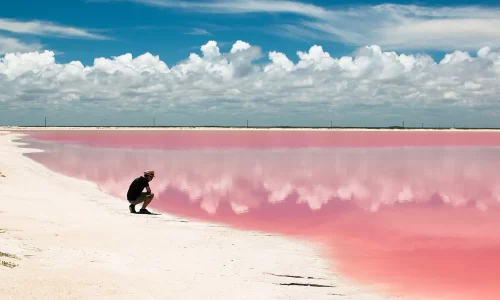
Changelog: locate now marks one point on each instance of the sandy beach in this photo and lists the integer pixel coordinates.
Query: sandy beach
(63, 238)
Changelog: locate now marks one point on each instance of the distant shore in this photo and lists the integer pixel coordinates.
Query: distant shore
(275, 128)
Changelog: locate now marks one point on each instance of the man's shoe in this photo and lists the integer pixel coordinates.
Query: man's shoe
(132, 208)
(144, 211)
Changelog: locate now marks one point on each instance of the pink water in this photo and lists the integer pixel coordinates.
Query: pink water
(423, 220)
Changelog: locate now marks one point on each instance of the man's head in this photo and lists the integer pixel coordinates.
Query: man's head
(149, 175)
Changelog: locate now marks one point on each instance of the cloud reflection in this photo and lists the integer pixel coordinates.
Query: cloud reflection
(370, 178)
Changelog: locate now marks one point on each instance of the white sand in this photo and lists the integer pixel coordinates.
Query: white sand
(75, 242)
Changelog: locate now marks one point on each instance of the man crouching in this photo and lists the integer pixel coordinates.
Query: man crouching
(135, 194)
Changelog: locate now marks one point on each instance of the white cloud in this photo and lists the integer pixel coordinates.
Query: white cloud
(413, 27)
(242, 6)
(12, 45)
(391, 26)
(199, 31)
(235, 81)
(240, 46)
(45, 28)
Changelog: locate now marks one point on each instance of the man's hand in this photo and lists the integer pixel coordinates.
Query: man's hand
(148, 189)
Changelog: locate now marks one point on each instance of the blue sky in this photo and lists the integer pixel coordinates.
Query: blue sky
(84, 30)
(138, 28)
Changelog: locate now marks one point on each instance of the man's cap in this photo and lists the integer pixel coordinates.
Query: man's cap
(149, 172)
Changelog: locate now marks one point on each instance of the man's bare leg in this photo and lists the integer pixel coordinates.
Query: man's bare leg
(138, 201)
(134, 203)
(144, 197)
(148, 200)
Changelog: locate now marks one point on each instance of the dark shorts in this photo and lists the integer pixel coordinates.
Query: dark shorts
(142, 197)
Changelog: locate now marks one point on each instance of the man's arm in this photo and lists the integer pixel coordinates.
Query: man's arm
(148, 189)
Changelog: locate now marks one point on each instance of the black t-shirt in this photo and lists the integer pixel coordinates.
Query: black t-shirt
(136, 187)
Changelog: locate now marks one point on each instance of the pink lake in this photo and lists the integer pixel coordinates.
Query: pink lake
(415, 212)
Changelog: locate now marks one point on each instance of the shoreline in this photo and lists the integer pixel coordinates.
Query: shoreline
(222, 128)
(69, 240)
